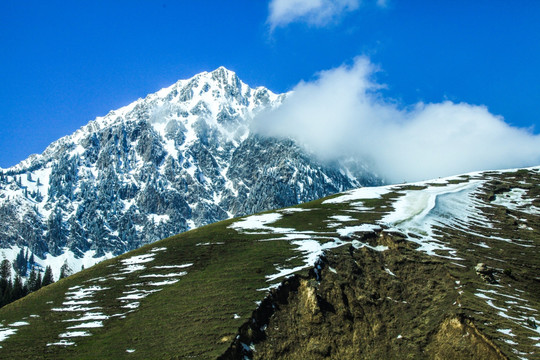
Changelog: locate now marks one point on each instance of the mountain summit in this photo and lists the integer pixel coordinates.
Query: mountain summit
(178, 159)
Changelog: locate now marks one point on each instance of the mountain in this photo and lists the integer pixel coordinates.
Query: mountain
(179, 159)
(442, 269)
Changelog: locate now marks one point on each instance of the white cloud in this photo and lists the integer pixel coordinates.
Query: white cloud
(343, 113)
(315, 12)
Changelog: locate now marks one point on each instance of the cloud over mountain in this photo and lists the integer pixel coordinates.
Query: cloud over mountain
(343, 113)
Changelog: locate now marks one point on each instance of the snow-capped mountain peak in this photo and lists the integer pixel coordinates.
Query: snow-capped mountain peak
(179, 158)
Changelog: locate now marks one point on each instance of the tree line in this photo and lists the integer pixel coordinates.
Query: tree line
(28, 277)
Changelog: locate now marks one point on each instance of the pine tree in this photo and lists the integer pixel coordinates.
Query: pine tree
(47, 277)
(31, 283)
(31, 261)
(21, 264)
(39, 280)
(65, 270)
(6, 298)
(18, 289)
(5, 282)
(5, 269)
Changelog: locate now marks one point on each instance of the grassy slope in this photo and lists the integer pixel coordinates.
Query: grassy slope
(195, 316)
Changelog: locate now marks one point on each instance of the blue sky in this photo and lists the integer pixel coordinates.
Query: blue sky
(64, 63)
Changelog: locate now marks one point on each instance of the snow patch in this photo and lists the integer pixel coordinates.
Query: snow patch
(87, 325)
(363, 193)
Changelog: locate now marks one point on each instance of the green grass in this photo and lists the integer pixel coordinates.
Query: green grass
(194, 318)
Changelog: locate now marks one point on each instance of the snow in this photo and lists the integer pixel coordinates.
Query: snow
(173, 266)
(159, 218)
(293, 210)
(349, 230)
(75, 309)
(132, 305)
(182, 273)
(6, 332)
(418, 212)
(363, 193)
(61, 343)
(506, 332)
(89, 316)
(138, 259)
(137, 294)
(132, 268)
(311, 250)
(259, 223)
(71, 334)
(358, 245)
(19, 323)
(87, 325)
(515, 200)
(342, 218)
(82, 293)
(210, 243)
(162, 283)
(78, 302)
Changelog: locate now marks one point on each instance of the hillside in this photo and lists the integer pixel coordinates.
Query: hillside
(444, 269)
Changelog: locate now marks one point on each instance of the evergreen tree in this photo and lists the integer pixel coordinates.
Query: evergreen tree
(6, 298)
(5, 282)
(5, 269)
(32, 282)
(47, 277)
(18, 289)
(31, 261)
(39, 280)
(29, 176)
(65, 270)
(21, 263)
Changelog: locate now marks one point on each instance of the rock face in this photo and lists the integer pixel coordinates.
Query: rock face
(365, 304)
(178, 159)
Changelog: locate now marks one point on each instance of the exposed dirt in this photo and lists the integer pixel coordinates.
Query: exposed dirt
(395, 304)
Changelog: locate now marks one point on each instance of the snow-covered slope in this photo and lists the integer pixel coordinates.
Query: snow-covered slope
(178, 159)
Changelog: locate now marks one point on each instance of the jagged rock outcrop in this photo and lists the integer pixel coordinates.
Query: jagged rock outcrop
(365, 304)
